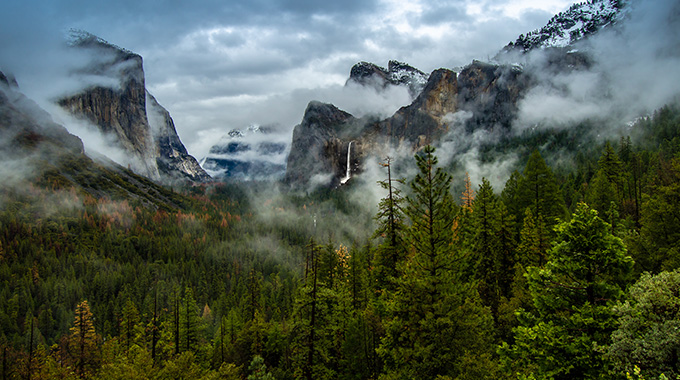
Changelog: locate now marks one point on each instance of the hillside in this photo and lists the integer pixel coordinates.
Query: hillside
(490, 229)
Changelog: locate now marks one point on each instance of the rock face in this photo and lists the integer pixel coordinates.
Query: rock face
(317, 148)
(172, 158)
(253, 154)
(397, 74)
(490, 94)
(121, 107)
(422, 121)
(26, 128)
(487, 92)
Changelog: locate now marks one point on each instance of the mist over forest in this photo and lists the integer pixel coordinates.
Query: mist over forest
(514, 217)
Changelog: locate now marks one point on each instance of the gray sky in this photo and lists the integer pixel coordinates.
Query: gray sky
(218, 65)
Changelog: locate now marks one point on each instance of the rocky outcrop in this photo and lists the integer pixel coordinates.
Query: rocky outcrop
(320, 143)
(490, 93)
(397, 74)
(172, 158)
(120, 106)
(568, 27)
(421, 122)
(317, 146)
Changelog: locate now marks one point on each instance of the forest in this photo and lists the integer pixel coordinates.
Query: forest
(566, 272)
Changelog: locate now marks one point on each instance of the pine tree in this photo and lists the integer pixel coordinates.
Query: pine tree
(431, 210)
(190, 323)
(128, 324)
(538, 190)
(534, 241)
(492, 255)
(391, 252)
(585, 275)
(83, 340)
(435, 320)
(468, 196)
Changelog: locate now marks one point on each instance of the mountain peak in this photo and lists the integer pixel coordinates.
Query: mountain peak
(572, 25)
(396, 74)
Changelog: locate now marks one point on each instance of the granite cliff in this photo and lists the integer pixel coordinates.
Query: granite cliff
(124, 109)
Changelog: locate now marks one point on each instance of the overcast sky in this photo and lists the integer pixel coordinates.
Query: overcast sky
(218, 65)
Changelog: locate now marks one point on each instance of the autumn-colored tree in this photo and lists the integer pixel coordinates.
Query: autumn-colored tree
(83, 342)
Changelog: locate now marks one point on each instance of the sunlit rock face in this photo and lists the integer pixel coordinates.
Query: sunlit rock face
(118, 104)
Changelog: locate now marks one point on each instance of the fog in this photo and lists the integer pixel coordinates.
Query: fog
(635, 70)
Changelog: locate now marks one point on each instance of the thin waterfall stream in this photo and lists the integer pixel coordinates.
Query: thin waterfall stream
(348, 173)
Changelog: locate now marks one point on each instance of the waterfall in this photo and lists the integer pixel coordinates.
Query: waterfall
(348, 174)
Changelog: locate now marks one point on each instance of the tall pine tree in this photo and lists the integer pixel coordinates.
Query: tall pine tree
(435, 320)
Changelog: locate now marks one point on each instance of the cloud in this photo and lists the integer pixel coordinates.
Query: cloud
(636, 68)
(218, 65)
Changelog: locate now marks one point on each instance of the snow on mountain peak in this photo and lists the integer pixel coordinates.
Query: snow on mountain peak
(568, 27)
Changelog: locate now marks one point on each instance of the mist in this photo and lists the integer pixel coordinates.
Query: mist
(635, 70)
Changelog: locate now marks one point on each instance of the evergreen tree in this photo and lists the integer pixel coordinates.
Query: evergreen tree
(585, 275)
(258, 370)
(190, 322)
(648, 333)
(391, 252)
(534, 241)
(431, 211)
(435, 320)
(83, 341)
(538, 190)
(492, 255)
(320, 315)
(129, 328)
(659, 240)
(510, 196)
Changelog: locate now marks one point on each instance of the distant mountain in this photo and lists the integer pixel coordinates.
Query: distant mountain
(566, 28)
(254, 154)
(397, 74)
(120, 106)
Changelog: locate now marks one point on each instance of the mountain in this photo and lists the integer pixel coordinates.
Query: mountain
(39, 153)
(27, 130)
(119, 105)
(254, 154)
(451, 106)
(566, 28)
(320, 148)
(397, 74)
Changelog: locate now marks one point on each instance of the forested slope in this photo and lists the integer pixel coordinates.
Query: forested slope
(561, 274)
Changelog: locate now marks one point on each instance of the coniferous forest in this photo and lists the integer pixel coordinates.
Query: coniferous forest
(570, 271)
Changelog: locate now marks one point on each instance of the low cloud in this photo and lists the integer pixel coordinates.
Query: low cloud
(635, 70)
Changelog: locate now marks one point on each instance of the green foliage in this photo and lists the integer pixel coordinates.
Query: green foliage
(391, 252)
(537, 189)
(648, 335)
(434, 319)
(586, 273)
(205, 281)
(660, 232)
